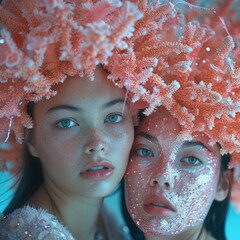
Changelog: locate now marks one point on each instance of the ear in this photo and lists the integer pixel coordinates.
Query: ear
(223, 186)
(30, 142)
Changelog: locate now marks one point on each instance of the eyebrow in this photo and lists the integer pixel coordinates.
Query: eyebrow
(195, 143)
(185, 144)
(112, 103)
(65, 107)
(147, 136)
(77, 109)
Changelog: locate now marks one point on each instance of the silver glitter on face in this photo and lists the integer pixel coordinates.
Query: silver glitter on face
(171, 179)
(2, 41)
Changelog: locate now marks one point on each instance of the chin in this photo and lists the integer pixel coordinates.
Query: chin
(102, 192)
(155, 230)
(158, 232)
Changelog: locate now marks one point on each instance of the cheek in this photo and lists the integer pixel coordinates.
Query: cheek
(135, 172)
(195, 197)
(126, 140)
(136, 179)
(52, 150)
(200, 182)
(199, 186)
(121, 140)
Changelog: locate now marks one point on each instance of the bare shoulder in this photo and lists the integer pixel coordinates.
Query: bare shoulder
(32, 223)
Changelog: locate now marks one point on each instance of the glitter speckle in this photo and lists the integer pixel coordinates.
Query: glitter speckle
(2, 41)
(20, 103)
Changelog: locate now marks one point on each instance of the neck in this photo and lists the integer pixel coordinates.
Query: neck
(198, 233)
(80, 215)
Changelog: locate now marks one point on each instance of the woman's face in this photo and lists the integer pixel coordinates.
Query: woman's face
(83, 136)
(171, 182)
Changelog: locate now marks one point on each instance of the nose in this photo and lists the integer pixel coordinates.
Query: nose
(162, 180)
(95, 143)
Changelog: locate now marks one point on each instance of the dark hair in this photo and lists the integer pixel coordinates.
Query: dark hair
(216, 217)
(135, 232)
(31, 177)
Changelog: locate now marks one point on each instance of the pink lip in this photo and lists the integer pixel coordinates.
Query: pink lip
(99, 170)
(158, 206)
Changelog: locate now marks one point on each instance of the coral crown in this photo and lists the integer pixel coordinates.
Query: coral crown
(158, 52)
(187, 68)
(45, 41)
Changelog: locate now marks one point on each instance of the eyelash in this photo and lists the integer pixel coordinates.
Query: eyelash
(58, 124)
(74, 123)
(191, 164)
(139, 152)
(107, 120)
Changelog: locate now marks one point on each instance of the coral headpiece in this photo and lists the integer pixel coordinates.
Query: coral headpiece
(44, 41)
(41, 43)
(159, 53)
(195, 68)
(192, 68)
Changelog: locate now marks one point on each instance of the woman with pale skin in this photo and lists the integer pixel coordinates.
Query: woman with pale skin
(172, 181)
(77, 150)
(74, 140)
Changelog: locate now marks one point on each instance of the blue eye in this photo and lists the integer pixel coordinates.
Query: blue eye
(144, 152)
(191, 161)
(114, 118)
(66, 123)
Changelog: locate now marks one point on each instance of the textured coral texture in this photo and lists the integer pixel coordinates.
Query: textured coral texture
(42, 42)
(182, 55)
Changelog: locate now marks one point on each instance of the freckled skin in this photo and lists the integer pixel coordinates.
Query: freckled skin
(190, 187)
(90, 138)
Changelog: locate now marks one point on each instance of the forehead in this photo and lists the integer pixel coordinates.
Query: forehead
(160, 123)
(83, 86)
(164, 127)
(83, 92)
